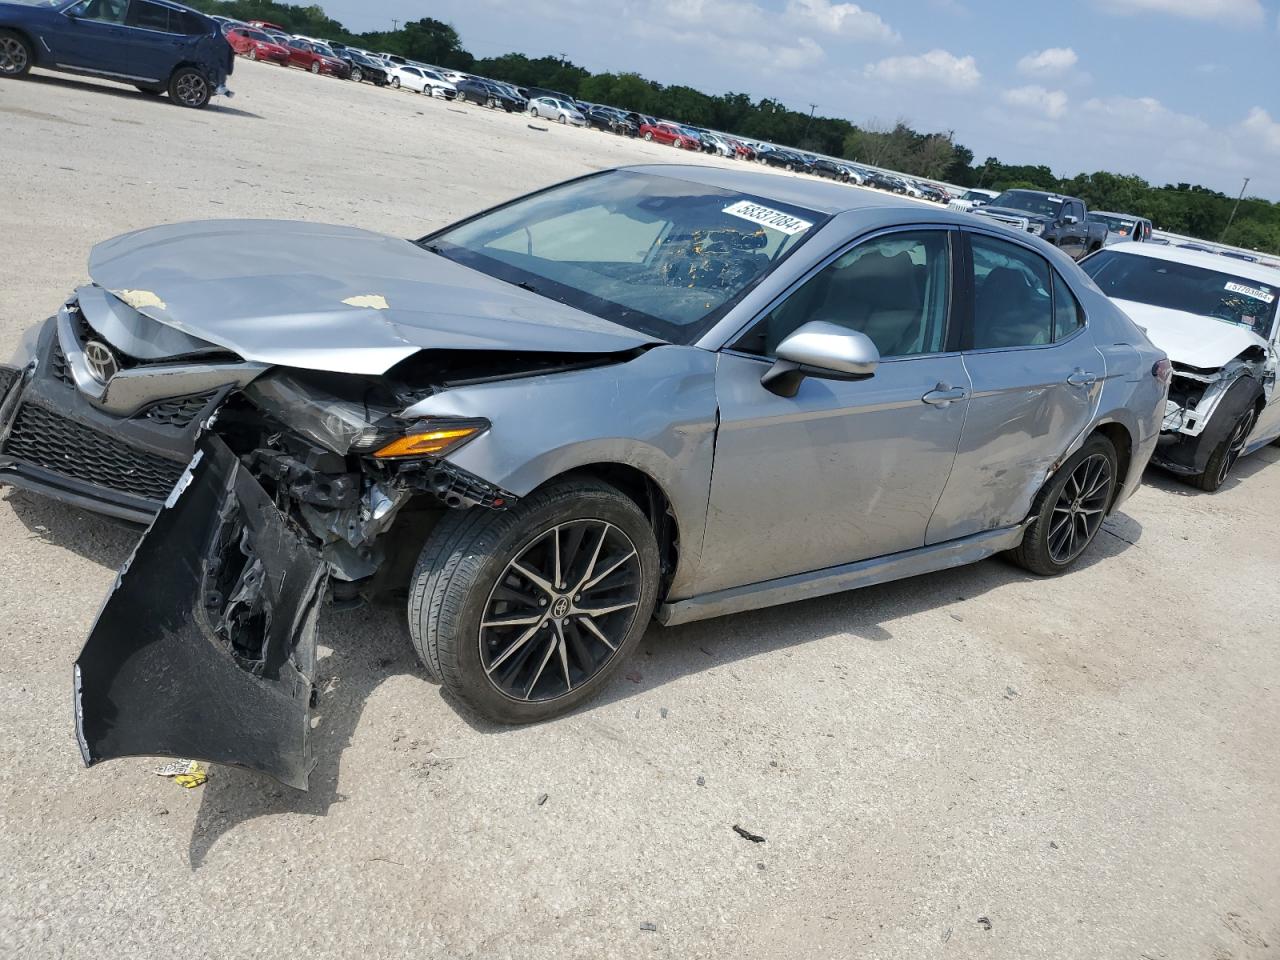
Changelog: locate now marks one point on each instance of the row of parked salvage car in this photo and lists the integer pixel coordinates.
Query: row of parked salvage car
(667, 391)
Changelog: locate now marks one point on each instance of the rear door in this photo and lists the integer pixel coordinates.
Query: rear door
(205, 648)
(156, 38)
(1037, 379)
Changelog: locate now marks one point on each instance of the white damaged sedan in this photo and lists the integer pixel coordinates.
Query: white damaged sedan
(1216, 319)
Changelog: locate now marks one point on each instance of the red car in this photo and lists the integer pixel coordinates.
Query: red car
(669, 133)
(256, 45)
(310, 57)
(267, 25)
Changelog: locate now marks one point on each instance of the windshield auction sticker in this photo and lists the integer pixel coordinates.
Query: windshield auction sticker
(768, 217)
(1243, 290)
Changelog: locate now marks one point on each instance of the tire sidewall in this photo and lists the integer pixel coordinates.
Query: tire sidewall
(173, 88)
(460, 665)
(1239, 401)
(31, 55)
(1053, 490)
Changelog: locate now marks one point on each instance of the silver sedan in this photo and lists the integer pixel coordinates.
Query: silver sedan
(669, 391)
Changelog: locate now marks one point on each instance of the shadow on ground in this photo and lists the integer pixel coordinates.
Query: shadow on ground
(217, 105)
(348, 676)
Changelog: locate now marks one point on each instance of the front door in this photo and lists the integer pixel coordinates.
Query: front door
(92, 36)
(842, 471)
(1037, 378)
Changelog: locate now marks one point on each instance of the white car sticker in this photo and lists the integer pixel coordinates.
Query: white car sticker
(1252, 292)
(768, 217)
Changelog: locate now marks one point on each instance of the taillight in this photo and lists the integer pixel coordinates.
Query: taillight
(1162, 371)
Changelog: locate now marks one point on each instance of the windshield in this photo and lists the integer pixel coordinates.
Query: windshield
(1182, 286)
(977, 197)
(1118, 225)
(1029, 202)
(662, 256)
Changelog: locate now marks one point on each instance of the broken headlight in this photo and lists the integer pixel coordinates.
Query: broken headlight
(360, 427)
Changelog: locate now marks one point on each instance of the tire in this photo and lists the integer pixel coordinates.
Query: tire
(562, 118)
(357, 75)
(315, 68)
(16, 55)
(253, 53)
(533, 112)
(1228, 449)
(649, 137)
(1043, 550)
(188, 87)
(470, 556)
(395, 82)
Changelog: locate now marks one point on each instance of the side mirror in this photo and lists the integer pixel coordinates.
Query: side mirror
(823, 350)
(1070, 221)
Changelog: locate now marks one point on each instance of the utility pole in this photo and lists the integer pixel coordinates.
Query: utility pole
(395, 25)
(1234, 209)
(809, 122)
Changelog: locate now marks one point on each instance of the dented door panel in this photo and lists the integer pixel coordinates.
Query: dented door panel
(206, 646)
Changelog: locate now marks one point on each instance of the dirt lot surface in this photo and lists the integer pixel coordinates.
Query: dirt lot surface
(1090, 764)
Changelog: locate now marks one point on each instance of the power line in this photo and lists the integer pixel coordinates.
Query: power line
(1244, 187)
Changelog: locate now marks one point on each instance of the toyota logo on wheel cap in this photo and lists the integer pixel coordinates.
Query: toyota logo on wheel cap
(102, 362)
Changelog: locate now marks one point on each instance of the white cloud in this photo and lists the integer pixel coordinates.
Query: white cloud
(844, 19)
(1049, 62)
(1259, 128)
(1239, 11)
(937, 67)
(1143, 117)
(1048, 103)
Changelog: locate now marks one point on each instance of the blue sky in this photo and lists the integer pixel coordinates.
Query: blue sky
(1173, 90)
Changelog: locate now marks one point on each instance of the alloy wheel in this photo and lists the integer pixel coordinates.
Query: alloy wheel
(560, 610)
(192, 89)
(357, 75)
(1235, 445)
(253, 53)
(13, 55)
(1081, 508)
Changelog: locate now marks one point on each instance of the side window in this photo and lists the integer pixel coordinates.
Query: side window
(148, 16)
(1076, 210)
(1012, 302)
(1068, 317)
(896, 289)
(108, 11)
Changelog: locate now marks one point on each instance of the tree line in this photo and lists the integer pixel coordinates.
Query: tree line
(1180, 208)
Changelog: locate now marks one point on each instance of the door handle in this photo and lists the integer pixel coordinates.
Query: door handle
(944, 395)
(1082, 378)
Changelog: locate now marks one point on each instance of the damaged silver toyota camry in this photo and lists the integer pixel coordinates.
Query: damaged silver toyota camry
(674, 390)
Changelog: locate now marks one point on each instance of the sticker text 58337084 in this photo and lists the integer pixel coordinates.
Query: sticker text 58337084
(768, 217)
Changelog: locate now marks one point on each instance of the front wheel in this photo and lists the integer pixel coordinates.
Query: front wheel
(315, 68)
(1069, 510)
(16, 55)
(357, 75)
(562, 118)
(395, 82)
(526, 613)
(1226, 453)
(533, 112)
(253, 53)
(649, 137)
(189, 87)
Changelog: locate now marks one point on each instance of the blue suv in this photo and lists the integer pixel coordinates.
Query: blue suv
(155, 45)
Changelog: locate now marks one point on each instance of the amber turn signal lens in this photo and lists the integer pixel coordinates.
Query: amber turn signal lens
(428, 443)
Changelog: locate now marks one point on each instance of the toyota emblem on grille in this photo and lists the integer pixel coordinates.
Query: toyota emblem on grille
(102, 362)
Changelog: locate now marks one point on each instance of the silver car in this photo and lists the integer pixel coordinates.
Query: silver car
(669, 391)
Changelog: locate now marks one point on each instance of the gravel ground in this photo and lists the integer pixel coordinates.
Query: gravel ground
(1089, 763)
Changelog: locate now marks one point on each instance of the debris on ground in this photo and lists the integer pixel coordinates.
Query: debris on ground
(634, 676)
(701, 781)
(185, 773)
(957, 618)
(747, 834)
(532, 127)
(648, 926)
(542, 798)
(946, 935)
(663, 713)
(984, 922)
(1010, 693)
(1053, 845)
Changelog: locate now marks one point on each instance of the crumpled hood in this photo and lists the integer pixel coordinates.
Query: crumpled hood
(332, 298)
(1190, 338)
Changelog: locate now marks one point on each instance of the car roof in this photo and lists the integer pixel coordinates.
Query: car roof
(1197, 258)
(823, 196)
(1110, 213)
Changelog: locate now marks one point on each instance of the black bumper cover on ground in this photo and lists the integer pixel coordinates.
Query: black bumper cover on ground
(205, 648)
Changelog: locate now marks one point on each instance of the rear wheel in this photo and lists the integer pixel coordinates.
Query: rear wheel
(357, 74)
(188, 87)
(1069, 510)
(16, 55)
(524, 614)
(315, 67)
(395, 82)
